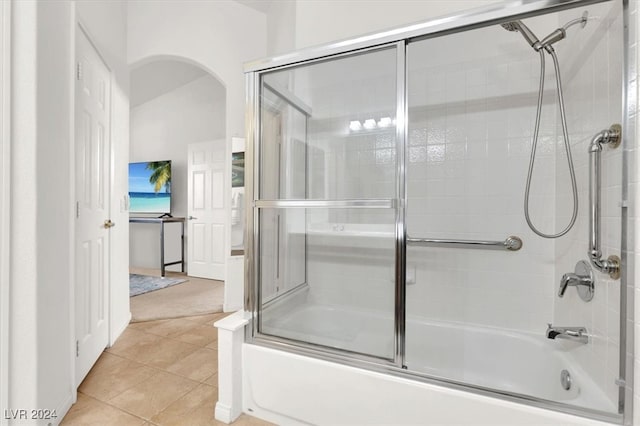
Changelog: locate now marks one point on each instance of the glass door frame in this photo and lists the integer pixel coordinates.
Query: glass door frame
(475, 18)
(252, 189)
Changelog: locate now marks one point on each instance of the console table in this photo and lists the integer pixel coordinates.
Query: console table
(161, 221)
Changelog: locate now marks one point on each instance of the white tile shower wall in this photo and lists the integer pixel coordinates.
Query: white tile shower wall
(591, 63)
(471, 116)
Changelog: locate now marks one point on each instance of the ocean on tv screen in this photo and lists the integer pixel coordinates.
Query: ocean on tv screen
(150, 202)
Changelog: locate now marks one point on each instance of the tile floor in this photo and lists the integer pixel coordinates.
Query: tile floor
(157, 373)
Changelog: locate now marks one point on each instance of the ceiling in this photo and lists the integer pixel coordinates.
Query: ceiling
(159, 77)
(259, 5)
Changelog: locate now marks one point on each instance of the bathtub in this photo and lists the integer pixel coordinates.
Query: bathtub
(516, 363)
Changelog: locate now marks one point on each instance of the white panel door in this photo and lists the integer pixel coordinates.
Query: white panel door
(92, 174)
(206, 210)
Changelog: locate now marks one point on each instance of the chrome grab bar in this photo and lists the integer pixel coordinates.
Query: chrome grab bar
(511, 243)
(611, 136)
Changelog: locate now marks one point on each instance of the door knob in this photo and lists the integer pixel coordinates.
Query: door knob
(192, 218)
(108, 224)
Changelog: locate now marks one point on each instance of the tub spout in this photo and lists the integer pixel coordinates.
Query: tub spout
(578, 334)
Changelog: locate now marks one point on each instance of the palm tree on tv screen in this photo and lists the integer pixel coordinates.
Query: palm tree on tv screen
(161, 175)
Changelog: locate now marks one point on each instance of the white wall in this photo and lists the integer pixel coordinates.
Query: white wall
(161, 129)
(23, 331)
(281, 27)
(218, 36)
(5, 166)
(42, 265)
(319, 22)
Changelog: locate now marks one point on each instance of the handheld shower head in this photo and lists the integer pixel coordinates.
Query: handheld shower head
(528, 35)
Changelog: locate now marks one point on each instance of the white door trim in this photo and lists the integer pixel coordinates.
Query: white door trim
(72, 199)
(5, 211)
(78, 27)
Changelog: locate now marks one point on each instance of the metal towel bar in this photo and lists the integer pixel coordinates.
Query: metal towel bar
(511, 243)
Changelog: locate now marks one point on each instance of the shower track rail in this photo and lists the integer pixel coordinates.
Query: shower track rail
(511, 243)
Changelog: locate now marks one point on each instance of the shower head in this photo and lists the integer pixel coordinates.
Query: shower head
(528, 35)
(510, 26)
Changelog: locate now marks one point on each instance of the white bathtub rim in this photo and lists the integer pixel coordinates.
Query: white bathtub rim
(536, 412)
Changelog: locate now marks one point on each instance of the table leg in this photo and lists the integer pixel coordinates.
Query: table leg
(162, 249)
(182, 242)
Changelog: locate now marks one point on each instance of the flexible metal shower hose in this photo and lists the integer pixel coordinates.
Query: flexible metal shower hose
(566, 145)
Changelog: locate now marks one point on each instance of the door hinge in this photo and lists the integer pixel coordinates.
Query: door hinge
(77, 209)
(77, 348)
(621, 382)
(79, 71)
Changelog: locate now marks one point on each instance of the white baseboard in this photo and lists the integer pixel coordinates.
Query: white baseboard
(223, 413)
(121, 329)
(62, 409)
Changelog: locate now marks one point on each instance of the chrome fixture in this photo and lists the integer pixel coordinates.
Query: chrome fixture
(561, 32)
(553, 37)
(538, 46)
(511, 243)
(578, 334)
(565, 380)
(582, 279)
(612, 137)
(519, 26)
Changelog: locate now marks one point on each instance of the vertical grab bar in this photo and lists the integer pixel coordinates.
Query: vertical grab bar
(611, 136)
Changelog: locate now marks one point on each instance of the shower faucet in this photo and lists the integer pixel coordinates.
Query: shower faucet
(581, 278)
(578, 334)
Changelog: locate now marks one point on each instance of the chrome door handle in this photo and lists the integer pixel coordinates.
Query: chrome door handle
(192, 218)
(108, 224)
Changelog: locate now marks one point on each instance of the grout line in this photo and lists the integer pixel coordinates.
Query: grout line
(112, 406)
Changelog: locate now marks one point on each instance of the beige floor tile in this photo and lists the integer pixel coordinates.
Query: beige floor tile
(245, 420)
(113, 375)
(91, 412)
(132, 343)
(105, 364)
(171, 328)
(197, 366)
(213, 345)
(181, 410)
(212, 380)
(207, 319)
(202, 335)
(142, 326)
(165, 352)
(154, 395)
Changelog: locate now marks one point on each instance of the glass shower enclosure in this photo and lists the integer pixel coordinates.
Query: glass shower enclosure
(386, 182)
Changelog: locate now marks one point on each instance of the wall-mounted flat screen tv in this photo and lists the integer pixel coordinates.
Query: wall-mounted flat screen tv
(150, 187)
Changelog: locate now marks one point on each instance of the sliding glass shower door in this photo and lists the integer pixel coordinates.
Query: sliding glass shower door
(483, 289)
(326, 206)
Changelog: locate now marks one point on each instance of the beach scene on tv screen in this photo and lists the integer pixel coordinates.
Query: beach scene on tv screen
(150, 187)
